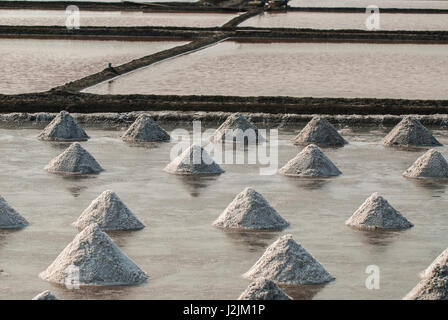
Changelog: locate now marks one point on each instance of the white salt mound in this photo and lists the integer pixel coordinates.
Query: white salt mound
(10, 218)
(263, 289)
(194, 161)
(287, 262)
(250, 210)
(310, 162)
(434, 283)
(238, 129)
(430, 165)
(110, 213)
(63, 128)
(377, 213)
(410, 133)
(74, 160)
(144, 129)
(319, 131)
(99, 260)
(46, 295)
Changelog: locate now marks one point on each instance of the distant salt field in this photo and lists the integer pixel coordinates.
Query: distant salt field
(321, 20)
(347, 70)
(38, 65)
(113, 18)
(418, 4)
(184, 255)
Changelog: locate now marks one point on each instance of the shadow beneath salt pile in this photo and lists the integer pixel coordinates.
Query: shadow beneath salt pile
(195, 184)
(302, 292)
(252, 240)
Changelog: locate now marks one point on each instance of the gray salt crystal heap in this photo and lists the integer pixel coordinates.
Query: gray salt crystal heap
(319, 131)
(194, 161)
(63, 128)
(110, 213)
(144, 129)
(46, 295)
(10, 218)
(434, 282)
(263, 289)
(98, 260)
(410, 133)
(377, 213)
(310, 162)
(287, 262)
(250, 210)
(238, 129)
(74, 160)
(430, 165)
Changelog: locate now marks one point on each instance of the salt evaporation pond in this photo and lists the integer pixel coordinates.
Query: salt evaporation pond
(184, 255)
(113, 18)
(416, 4)
(322, 20)
(345, 70)
(30, 65)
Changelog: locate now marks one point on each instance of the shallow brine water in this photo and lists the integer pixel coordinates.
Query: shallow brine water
(38, 65)
(422, 4)
(319, 20)
(184, 255)
(347, 70)
(113, 18)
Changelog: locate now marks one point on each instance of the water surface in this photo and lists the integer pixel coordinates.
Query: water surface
(187, 258)
(321, 20)
(37, 65)
(410, 71)
(113, 18)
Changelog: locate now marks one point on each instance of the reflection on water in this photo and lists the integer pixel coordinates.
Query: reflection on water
(194, 184)
(434, 187)
(30, 65)
(302, 292)
(308, 183)
(377, 238)
(348, 70)
(76, 190)
(252, 240)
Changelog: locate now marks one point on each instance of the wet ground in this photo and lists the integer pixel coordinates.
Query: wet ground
(31, 65)
(113, 18)
(184, 255)
(349, 70)
(320, 20)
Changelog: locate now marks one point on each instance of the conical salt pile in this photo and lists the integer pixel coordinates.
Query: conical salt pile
(434, 283)
(144, 129)
(194, 161)
(311, 161)
(10, 218)
(319, 131)
(92, 258)
(237, 128)
(410, 132)
(287, 262)
(110, 213)
(430, 165)
(263, 289)
(377, 213)
(74, 160)
(46, 295)
(250, 210)
(63, 128)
